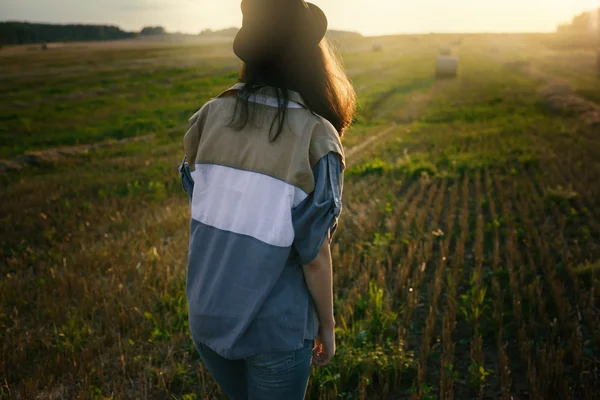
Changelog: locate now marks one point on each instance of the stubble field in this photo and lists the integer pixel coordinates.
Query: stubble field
(467, 260)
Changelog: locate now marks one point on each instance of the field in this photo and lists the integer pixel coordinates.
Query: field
(467, 263)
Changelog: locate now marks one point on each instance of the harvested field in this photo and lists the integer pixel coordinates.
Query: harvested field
(466, 266)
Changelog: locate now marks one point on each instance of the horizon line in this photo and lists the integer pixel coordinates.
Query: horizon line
(383, 34)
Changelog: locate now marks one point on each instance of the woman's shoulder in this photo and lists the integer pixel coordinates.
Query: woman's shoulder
(203, 112)
(319, 127)
(325, 127)
(225, 97)
(324, 139)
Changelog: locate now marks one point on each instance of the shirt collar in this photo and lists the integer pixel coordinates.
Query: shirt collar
(265, 91)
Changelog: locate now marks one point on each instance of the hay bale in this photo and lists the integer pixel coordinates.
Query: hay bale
(377, 47)
(446, 67)
(445, 51)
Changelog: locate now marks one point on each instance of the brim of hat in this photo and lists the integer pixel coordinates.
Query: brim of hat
(251, 45)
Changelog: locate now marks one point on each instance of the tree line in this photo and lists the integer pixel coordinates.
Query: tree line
(13, 33)
(29, 33)
(586, 22)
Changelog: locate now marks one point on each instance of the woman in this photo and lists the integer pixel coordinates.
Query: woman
(265, 182)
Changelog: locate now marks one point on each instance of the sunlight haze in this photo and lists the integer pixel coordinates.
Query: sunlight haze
(369, 17)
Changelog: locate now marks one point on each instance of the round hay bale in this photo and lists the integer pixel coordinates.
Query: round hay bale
(445, 51)
(446, 67)
(377, 47)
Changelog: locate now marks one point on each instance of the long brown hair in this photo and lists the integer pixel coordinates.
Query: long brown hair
(316, 73)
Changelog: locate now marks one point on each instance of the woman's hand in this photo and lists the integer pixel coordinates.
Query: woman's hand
(324, 349)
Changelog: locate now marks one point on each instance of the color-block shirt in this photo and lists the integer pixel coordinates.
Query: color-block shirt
(260, 210)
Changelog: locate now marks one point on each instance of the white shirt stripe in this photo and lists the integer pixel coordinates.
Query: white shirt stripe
(246, 203)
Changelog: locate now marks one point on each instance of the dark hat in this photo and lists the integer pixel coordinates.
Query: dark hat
(270, 26)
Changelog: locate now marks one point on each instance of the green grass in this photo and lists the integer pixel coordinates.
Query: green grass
(470, 225)
(140, 104)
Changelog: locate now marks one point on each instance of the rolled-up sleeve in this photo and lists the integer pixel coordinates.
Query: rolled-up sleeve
(185, 175)
(318, 214)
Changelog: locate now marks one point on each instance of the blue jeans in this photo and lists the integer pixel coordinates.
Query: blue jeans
(271, 376)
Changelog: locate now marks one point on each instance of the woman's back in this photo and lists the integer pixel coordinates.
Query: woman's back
(245, 283)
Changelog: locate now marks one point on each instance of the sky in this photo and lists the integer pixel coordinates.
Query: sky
(369, 17)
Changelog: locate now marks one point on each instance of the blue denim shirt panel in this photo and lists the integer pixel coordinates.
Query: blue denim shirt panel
(312, 220)
(187, 182)
(318, 214)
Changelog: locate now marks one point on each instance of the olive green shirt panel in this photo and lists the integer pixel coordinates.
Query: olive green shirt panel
(251, 150)
(325, 139)
(191, 140)
(305, 139)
